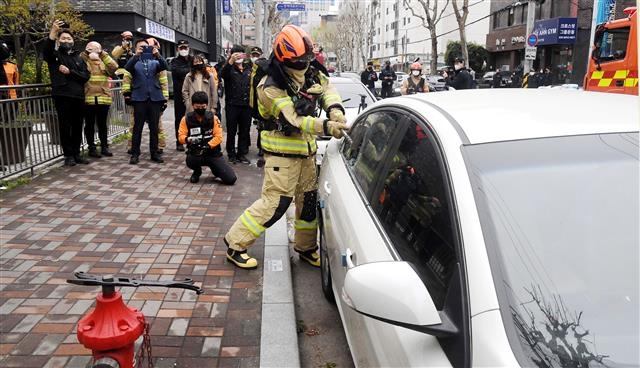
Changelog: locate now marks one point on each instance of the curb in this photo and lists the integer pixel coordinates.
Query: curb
(278, 336)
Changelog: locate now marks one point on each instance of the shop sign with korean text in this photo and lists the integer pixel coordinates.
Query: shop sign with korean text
(556, 31)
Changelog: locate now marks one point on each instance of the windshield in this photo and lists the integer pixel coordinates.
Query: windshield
(612, 44)
(353, 92)
(560, 220)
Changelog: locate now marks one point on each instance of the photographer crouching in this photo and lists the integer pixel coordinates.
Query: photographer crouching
(201, 131)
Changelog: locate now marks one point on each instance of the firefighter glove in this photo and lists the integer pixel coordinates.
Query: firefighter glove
(334, 128)
(336, 114)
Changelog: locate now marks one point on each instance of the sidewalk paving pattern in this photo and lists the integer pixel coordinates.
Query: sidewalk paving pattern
(146, 221)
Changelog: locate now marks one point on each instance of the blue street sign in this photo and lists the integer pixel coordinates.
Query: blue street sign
(226, 6)
(532, 40)
(290, 7)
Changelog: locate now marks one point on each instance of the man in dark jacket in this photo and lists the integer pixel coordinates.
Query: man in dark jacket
(387, 76)
(146, 96)
(461, 79)
(180, 67)
(68, 74)
(369, 77)
(237, 74)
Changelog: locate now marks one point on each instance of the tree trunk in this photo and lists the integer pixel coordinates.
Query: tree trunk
(433, 65)
(463, 44)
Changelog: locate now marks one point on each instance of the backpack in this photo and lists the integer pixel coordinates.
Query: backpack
(259, 69)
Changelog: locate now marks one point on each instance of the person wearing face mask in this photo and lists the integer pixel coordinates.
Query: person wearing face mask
(97, 97)
(200, 130)
(415, 83)
(461, 78)
(387, 75)
(199, 79)
(180, 67)
(147, 97)
(256, 57)
(289, 97)
(369, 77)
(68, 73)
(237, 74)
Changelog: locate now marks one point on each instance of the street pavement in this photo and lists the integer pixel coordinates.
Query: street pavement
(145, 221)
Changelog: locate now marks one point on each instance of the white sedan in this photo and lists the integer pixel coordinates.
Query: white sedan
(486, 233)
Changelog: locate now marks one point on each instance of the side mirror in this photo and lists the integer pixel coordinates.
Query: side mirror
(401, 300)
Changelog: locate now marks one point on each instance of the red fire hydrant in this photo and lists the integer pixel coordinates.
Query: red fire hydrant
(110, 331)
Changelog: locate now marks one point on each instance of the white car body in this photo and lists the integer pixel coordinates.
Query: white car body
(378, 291)
(351, 107)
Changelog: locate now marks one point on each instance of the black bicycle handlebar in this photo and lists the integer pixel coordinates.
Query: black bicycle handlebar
(109, 283)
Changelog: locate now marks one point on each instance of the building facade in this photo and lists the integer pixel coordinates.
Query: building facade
(166, 20)
(563, 30)
(399, 36)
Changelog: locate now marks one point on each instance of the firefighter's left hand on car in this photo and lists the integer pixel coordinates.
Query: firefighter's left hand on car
(337, 115)
(334, 128)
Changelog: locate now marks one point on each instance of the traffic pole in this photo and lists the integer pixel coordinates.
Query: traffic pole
(531, 16)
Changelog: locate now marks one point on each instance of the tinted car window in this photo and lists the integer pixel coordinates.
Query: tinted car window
(413, 209)
(560, 219)
(371, 140)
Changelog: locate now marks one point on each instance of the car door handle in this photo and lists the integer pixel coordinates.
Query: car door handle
(347, 259)
(327, 187)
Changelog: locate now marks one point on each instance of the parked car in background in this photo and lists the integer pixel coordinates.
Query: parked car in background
(487, 79)
(400, 77)
(355, 98)
(457, 231)
(436, 83)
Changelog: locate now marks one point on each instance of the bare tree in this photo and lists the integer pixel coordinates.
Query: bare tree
(355, 24)
(461, 13)
(430, 15)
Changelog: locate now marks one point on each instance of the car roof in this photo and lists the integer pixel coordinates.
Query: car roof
(491, 115)
(342, 80)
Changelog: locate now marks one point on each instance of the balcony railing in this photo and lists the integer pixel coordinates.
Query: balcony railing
(29, 129)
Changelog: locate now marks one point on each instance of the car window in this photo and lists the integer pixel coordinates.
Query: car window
(371, 137)
(413, 208)
(353, 93)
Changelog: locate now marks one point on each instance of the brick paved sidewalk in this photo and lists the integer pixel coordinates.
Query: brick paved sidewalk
(146, 221)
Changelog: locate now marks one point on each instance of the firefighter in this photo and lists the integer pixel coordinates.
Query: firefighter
(288, 98)
(97, 92)
(415, 83)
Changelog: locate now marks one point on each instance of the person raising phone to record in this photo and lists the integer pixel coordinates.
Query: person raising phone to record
(146, 96)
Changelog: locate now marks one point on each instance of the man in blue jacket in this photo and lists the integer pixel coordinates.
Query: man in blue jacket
(146, 97)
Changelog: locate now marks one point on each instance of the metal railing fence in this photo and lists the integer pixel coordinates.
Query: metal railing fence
(29, 129)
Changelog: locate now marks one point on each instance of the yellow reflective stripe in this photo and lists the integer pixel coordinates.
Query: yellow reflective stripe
(298, 146)
(278, 104)
(164, 79)
(620, 74)
(631, 82)
(305, 225)
(605, 82)
(165, 93)
(102, 100)
(262, 110)
(307, 124)
(98, 78)
(597, 74)
(330, 99)
(251, 224)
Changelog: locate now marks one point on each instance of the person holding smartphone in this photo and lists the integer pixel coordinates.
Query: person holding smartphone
(146, 96)
(237, 76)
(69, 74)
